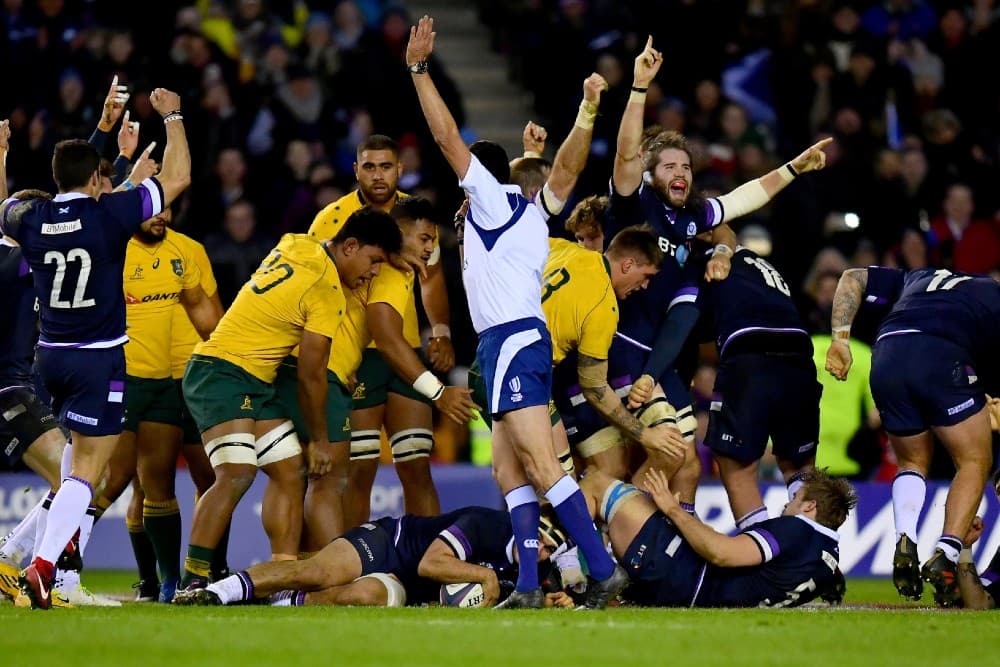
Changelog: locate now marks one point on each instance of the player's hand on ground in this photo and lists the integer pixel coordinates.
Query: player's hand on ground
(441, 354)
(4, 134)
(641, 392)
(457, 404)
(647, 64)
(491, 589)
(144, 167)
(834, 591)
(593, 86)
(114, 104)
(666, 440)
(559, 599)
(128, 137)
(532, 139)
(839, 360)
(659, 488)
(974, 533)
(812, 158)
(165, 101)
(320, 455)
(421, 44)
(718, 267)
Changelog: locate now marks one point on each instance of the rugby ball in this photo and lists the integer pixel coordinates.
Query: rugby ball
(462, 595)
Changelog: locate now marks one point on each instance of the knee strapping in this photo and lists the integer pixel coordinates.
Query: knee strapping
(394, 589)
(237, 448)
(412, 443)
(278, 444)
(614, 498)
(605, 439)
(365, 444)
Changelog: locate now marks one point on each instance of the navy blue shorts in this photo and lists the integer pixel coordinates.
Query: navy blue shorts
(760, 396)
(516, 362)
(374, 542)
(580, 419)
(664, 569)
(919, 381)
(23, 419)
(87, 387)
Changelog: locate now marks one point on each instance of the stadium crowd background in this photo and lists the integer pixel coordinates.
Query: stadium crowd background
(277, 96)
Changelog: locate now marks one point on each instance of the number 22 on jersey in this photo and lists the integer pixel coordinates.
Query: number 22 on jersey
(62, 263)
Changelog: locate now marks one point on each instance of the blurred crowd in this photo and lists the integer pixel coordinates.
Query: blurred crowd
(278, 94)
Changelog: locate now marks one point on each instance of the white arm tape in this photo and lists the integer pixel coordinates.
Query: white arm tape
(552, 205)
(745, 199)
(428, 385)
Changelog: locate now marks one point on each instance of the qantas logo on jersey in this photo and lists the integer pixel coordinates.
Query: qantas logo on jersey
(62, 227)
(150, 298)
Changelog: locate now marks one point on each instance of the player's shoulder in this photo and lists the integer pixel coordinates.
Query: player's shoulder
(335, 213)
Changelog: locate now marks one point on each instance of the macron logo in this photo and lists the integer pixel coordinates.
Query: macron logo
(62, 227)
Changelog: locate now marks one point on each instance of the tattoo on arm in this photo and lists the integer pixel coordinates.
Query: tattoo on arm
(974, 594)
(847, 299)
(603, 399)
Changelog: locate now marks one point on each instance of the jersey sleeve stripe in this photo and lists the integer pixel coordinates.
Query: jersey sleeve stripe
(768, 546)
(151, 194)
(686, 295)
(716, 212)
(456, 539)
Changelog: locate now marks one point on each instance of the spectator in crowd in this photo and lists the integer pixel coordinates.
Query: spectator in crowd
(960, 241)
(237, 250)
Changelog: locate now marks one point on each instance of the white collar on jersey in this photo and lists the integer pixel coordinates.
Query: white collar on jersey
(66, 196)
(820, 528)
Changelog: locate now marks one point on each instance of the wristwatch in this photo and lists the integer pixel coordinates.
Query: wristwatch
(419, 67)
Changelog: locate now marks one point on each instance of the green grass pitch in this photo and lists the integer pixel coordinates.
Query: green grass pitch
(860, 633)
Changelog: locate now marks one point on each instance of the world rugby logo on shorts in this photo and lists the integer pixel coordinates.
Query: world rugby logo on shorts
(515, 387)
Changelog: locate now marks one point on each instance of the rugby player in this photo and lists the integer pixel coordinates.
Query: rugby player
(504, 254)
(950, 322)
(675, 560)
(381, 396)
(75, 246)
(296, 297)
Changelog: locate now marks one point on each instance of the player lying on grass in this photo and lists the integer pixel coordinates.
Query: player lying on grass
(392, 562)
(675, 560)
(980, 590)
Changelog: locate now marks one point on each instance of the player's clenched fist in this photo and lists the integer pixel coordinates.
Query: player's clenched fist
(165, 101)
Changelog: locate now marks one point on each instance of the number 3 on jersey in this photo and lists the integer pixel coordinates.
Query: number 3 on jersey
(62, 262)
(552, 281)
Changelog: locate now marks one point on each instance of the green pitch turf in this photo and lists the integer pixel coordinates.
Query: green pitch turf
(860, 633)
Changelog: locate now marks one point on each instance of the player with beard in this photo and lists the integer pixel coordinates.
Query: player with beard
(160, 272)
(653, 183)
(382, 397)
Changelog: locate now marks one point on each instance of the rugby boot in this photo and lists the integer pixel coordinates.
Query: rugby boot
(941, 573)
(600, 593)
(35, 586)
(146, 591)
(197, 597)
(906, 569)
(533, 599)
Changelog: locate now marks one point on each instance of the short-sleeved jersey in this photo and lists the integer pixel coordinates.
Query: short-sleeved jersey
(961, 308)
(753, 301)
(395, 288)
(642, 313)
(295, 289)
(18, 319)
(154, 277)
(506, 247)
(578, 300)
(183, 336)
(327, 224)
(351, 339)
(75, 246)
(800, 557)
(475, 535)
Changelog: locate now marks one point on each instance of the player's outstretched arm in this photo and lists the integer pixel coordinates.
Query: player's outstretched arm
(628, 162)
(572, 155)
(674, 331)
(593, 377)
(846, 302)
(441, 564)
(386, 326)
(175, 175)
(434, 296)
(439, 119)
(753, 194)
(718, 549)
